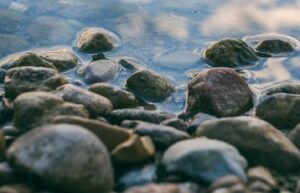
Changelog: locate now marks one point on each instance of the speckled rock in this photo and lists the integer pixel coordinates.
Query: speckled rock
(281, 110)
(93, 40)
(288, 88)
(257, 140)
(100, 71)
(26, 79)
(62, 58)
(37, 108)
(295, 136)
(203, 160)
(119, 98)
(117, 116)
(230, 53)
(53, 156)
(25, 59)
(97, 105)
(149, 85)
(220, 92)
(275, 46)
(162, 136)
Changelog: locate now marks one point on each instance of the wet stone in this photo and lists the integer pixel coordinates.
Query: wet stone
(97, 105)
(220, 92)
(119, 98)
(130, 64)
(100, 71)
(281, 110)
(230, 53)
(117, 116)
(176, 123)
(262, 174)
(162, 136)
(288, 88)
(2, 75)
(37, 108)
(295, 136)
(203, 160)
(258, 141)
(53, 156)
(197, 120)
(150, 86)
(26, 79)
(275, 46)
(137, 176)
(164, 187)
(93, 40)
(26, 59)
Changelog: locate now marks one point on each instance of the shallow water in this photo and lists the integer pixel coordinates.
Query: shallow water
(167, 35)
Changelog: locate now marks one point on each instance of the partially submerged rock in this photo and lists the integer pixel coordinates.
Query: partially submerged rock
(230, 53)
(100, 71)
(220, 92)
(288, 88)
(281, 110)
(149, 85)
(257, 140)
(119, 98)
(275, 46)
(203, 160)
(53, 155)
(93, 40)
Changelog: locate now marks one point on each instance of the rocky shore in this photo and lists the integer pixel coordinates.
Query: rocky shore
(60, 136)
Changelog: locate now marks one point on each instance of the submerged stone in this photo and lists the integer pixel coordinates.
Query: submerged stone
(230, 53)
(275, 46)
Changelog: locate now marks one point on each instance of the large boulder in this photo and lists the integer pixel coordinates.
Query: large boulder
(258, 141)
(202, 160)
(230, 53)
(64, 157)
(281, 110)
(220, 92)
(149, 85)
(96, 104)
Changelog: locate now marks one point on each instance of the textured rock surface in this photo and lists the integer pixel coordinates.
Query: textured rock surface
(203, 160)
(281, 110)
(257, 140)
(54, 156)
(230, 53)
(220, 92)
(274, 46)
(149, 85)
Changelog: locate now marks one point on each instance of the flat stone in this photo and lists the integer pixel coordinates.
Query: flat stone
(203, 160)
(220, 92)
(230, 53)
(281, 110)
(119, 98)
(258, 141)
(149, 85)
(53, 155)
(97, 105)
(93, 40)
(100, 71)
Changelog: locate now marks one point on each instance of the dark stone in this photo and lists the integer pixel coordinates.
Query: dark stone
(149, 85)
(53, 155)
(119, 98)
(220, 92)
(7, 174)
(230, 53)
(258, 141)
(93, 40)
(131, 64)
(275, 46)
(203, 160)
(2, 75)
(117, 116)
(100, 71)
(165, 188)
(176, 123)
(281, 110)
(295, 136)
(288, 88)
